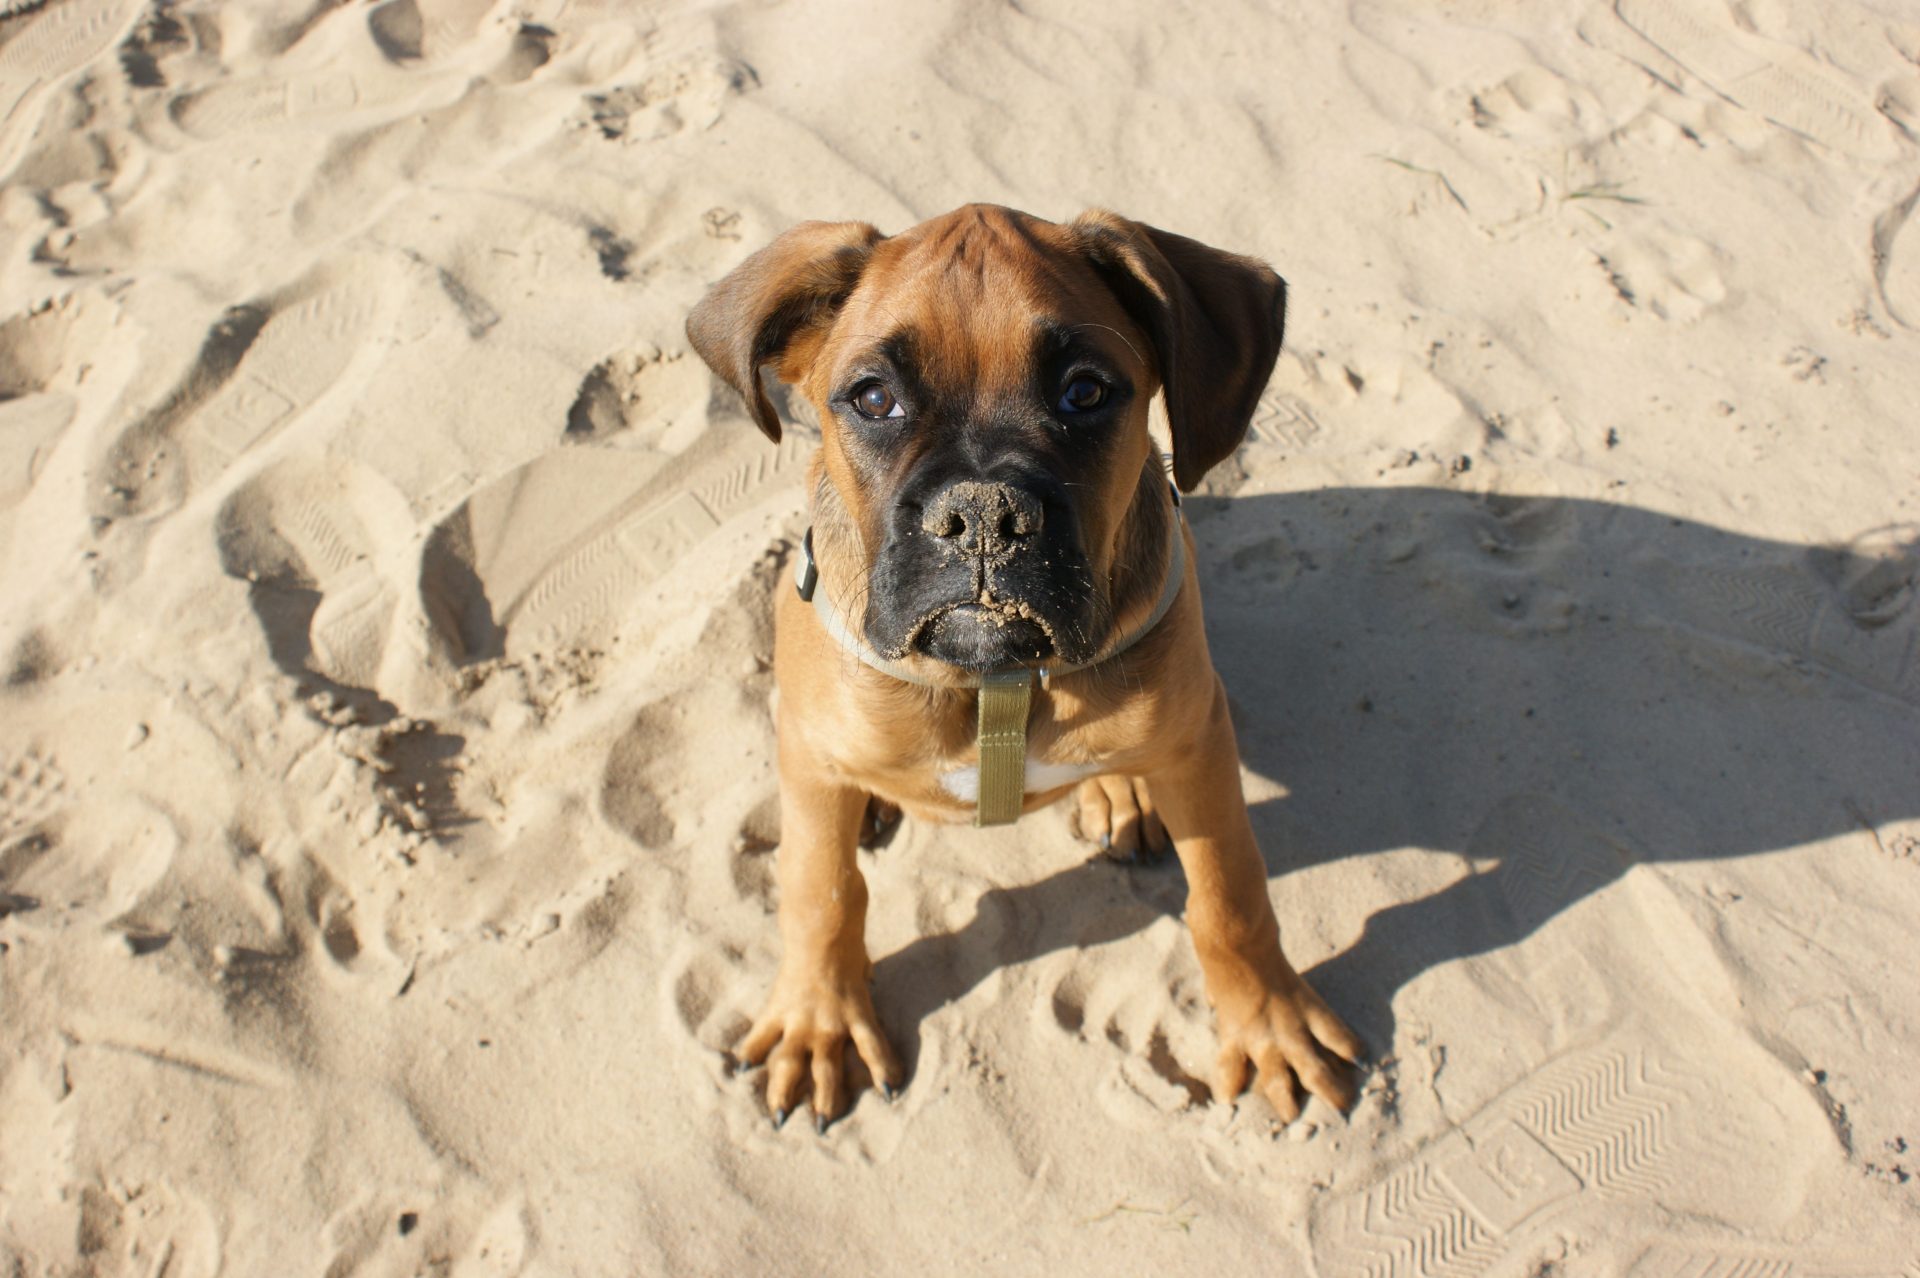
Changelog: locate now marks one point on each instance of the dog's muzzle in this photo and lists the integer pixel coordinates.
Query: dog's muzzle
(986, 525)
(985, 530)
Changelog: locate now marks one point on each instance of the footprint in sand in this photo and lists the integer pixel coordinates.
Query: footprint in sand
(44, 49)
(650, 794)
(400, 1225)
(1868, 627)
(1549, 859)
(1849, 610)
(1615, 1123)
(554, 553)
(1138, 1004)
(261, 366)
(32, 417)
(410, 33)
(1283, 421)
(300, 351)
(38, 347)
(1673, 275)
(407, 37)
(661, 398)
(308, 534)
(1534, 106)
(1895, 261)
(256, 104)
(688, 92)
(1598, 1133)
(234, 106)
(1506, 551)
(137, 1217)
(1782, 83)
(33, 786)
(407, 30)
(100, 860)
(647, 791)
(1269, 562)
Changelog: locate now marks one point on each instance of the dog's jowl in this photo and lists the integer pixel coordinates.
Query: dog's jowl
(997, 604)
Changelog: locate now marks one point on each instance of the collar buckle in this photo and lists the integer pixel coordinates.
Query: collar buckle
(807, 577)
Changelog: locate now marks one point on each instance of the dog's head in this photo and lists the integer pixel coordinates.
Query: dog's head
(982, 383)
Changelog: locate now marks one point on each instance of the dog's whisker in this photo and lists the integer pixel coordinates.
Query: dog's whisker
(1111, 329)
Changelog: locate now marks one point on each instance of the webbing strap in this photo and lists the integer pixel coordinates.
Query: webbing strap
(1004, 699)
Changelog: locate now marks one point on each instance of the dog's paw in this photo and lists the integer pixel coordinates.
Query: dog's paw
(1117, 813)
(803, 1033)
(1285, 1031)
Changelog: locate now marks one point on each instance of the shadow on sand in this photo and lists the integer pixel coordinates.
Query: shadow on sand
(1554, 690)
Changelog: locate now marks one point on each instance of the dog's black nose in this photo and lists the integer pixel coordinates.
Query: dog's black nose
(982, 518)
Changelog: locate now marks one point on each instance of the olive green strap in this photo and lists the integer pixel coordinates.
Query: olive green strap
(1004, 699)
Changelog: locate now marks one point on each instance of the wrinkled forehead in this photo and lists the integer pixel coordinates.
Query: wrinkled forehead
(981, 297)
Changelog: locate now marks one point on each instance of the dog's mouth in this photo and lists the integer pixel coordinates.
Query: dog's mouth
(982, 636)
(978, 616)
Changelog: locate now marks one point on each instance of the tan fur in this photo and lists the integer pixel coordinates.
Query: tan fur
(1158, 306)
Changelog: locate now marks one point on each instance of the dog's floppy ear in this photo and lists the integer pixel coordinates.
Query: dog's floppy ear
(1215, 319)
(793, 285)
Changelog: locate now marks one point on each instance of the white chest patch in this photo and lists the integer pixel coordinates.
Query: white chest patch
(964, 783)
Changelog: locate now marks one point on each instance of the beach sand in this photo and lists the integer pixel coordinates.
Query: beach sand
(386, 790)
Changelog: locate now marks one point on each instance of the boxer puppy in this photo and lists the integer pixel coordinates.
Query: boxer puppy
(987, 502)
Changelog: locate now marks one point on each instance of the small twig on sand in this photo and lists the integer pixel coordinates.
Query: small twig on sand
(1174, 1217)
(1605, 191)
(1435, 173)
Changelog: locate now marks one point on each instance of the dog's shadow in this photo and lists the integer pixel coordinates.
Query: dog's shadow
(1550, 690)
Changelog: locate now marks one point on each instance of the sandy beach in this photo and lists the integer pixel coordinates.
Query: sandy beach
(387, 803)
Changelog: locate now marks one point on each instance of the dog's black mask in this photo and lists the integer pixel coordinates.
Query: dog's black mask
(982, 563)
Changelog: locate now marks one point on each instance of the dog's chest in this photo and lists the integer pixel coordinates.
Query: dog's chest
(963, 783)
(1060, 752)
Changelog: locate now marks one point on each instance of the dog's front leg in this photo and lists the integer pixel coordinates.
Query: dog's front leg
(1267, 1014)
(820, 998)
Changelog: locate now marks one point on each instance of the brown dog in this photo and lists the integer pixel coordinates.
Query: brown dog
(988, 505)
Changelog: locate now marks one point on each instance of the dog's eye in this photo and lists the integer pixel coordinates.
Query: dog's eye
(1083, 395)
(875, 400)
